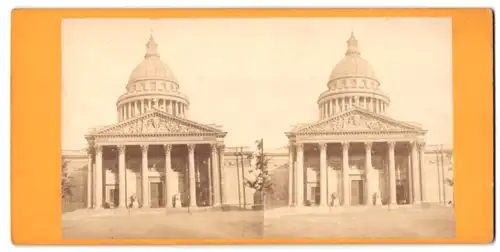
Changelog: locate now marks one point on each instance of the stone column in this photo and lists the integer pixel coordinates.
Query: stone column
(210, 181)
(145, 176)
(323, 176)
(299, 192)
(343, 104)
(329, 108)
(421, 150)
(174, 108)
(215, 176)
(369, 173)
(192, 176)
(345, 174)
(337, 109)
(417, 196)
(221, 148)
(150, 104)
(136, 109)
(129, 110)
(89, 177)
(168, 187)
(392, 174)
(98, 177)
(409, 173)
(122, 202)
(290, 175)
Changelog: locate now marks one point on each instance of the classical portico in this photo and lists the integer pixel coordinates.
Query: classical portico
(355, 154)
(154, 152)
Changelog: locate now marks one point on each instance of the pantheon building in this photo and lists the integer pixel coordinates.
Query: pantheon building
(354, 154)
(154, 153)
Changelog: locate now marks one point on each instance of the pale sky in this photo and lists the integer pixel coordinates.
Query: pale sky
(257, 77)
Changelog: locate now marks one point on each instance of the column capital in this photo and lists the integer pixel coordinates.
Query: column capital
(144, 148)
(322, 146)
(221, 147)
(98, 149)
(121, 149)
(420, 144)
(213, 147)
(368, 145)
(291, 146)
(90, 150)
(391, 144)
(299, 146)
(345, 145)
(167, 148)
(191, 147)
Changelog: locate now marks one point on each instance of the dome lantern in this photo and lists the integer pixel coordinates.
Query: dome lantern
(352, 46)
(151, 48)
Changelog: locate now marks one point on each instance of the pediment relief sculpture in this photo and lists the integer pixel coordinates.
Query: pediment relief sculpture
(353, 122)
(156, 125)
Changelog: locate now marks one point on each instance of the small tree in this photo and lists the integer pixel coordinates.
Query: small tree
(259, 178)
(450, 181)
(65, 180)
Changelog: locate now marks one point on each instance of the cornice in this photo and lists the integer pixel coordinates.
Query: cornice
(139, 135)
(128, 97)
(332, 94)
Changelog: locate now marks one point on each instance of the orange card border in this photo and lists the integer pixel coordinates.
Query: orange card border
(36, 118)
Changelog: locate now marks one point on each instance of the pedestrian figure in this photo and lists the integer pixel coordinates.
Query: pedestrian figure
(335, 199)
(133, 201)
(378, 199)
(176, 198)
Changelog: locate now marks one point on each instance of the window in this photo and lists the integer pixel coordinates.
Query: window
(353, 83)
(357, 163)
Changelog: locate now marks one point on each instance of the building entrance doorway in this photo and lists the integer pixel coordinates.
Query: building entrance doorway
(402, 194)
(357, 192)
(157, 198)
(114, 198)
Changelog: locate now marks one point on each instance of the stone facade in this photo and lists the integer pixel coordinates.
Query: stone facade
(438, 168)
(355, 154)
(154, 156)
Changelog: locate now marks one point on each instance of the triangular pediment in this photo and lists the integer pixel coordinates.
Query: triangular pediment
(358, 120)
(158, 122)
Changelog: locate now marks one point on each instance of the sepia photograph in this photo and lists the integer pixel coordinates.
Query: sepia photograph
(238, 128)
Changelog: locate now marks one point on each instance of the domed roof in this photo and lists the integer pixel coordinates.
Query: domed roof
(152, 67)
(352, 65)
